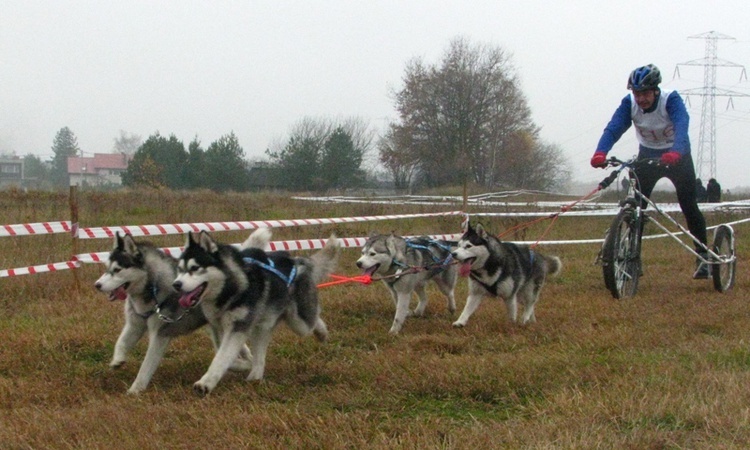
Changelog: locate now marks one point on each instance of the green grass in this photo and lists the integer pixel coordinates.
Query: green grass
(666, 369)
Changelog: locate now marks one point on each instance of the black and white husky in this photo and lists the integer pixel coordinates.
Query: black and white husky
(142, 276)
(501, 269)
(246, 292)
(406, 266)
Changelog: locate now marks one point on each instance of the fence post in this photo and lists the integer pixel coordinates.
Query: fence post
(73, 202)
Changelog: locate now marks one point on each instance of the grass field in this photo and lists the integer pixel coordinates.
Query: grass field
(668, 369)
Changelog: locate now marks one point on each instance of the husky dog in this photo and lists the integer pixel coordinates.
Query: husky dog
(424, 260)
(142, 276)
(247, 292)
(501, 269)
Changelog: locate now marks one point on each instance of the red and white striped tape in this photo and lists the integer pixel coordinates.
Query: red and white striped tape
(25, 229)
(165, 229)
(31, 270)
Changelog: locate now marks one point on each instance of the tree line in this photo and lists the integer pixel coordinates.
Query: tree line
(463, 120)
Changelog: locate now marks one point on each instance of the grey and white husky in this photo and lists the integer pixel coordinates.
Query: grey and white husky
(501, 269)
(142, 276)
(406, 266)
(246, 292)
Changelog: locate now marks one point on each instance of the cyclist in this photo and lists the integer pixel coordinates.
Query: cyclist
(661, 122)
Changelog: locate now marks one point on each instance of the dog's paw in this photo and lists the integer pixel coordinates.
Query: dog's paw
(116, 364)
(255, 376)
(458, 324)
(135, 390)
(201, 389)
(321, 335)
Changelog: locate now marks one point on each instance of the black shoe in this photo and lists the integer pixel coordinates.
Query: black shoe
(701, 271)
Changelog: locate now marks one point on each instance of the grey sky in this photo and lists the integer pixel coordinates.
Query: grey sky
(204, 69)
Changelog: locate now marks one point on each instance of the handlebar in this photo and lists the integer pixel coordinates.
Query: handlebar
(632, 163)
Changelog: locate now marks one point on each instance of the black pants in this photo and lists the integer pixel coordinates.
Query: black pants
(682, 176)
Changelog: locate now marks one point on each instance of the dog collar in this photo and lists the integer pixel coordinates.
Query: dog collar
(157, 309)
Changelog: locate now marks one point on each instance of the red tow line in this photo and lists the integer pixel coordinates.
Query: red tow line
(338, 279)
(553, 216)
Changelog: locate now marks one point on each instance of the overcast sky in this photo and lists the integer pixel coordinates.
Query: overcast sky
(255, 68)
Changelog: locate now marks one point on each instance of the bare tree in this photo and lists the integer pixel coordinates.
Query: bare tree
(127, 143)
(460, 119)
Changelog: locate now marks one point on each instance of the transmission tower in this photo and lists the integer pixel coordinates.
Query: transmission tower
(706, 163)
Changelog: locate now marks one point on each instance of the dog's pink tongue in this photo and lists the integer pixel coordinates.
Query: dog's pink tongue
(465, 269)
(118, 294)
(187, 299)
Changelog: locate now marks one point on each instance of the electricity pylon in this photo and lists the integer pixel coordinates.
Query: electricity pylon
(706, 161)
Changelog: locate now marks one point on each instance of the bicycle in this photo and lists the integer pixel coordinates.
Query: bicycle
(620, 254)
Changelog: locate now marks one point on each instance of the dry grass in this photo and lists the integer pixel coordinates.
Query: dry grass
(667, 369)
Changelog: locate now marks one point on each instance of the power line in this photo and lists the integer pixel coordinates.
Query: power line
(706, 163)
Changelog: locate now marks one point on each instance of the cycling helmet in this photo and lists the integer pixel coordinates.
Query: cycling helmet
(644, 78)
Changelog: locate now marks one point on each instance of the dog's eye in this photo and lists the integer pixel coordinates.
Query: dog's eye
(468, 246)
(116, 270)
(194, 268)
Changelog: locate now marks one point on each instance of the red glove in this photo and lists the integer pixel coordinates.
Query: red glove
(599, 160)
(670, 158)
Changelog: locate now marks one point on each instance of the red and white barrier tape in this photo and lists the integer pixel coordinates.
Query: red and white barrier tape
(25, 229)
(53, 267)
(165, 229)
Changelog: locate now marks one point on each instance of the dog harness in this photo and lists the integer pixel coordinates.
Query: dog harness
(272, 268)
(493, 287)
(410, 243)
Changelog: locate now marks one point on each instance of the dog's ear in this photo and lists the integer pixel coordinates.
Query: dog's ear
(396, 247)
(373, 234)
(129, 245)
(481, 232)
(118, 242)
(207, 242)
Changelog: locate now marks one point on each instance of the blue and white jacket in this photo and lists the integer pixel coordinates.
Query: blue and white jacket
(662, 128)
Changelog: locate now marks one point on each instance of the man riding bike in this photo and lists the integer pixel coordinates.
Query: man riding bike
(661, 123)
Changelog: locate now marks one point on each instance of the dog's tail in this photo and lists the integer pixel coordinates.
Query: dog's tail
(258, 239)
(324, 261)
(554, 265)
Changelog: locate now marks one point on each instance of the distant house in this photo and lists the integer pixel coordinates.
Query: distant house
(11, 171)
(103, 169)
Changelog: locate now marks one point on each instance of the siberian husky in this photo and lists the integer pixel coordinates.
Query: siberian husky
(501, 269)
(423, 260)
(247, 292)
(142, 276)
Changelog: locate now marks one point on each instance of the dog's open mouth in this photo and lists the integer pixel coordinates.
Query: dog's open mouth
(119, 293)
(465, 268)
(190, 299)
(371, 270)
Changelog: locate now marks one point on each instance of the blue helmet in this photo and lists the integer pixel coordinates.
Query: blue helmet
(644, 78)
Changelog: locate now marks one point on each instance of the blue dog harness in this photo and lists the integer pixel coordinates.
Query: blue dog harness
(410, 243)
(272, 268)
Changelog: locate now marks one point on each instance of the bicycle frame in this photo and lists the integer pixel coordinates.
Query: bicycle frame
(637, 198)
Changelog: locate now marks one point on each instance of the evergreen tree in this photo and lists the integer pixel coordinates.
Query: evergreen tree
(64, 146)
(36, 171)
(340, 161)
(225, 167)
(159, 162)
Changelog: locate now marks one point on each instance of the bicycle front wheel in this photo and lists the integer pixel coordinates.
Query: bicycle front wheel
(621, 255)
(723, 272)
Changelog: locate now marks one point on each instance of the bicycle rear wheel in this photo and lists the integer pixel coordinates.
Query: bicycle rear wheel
(723, 273)
(621, 255)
